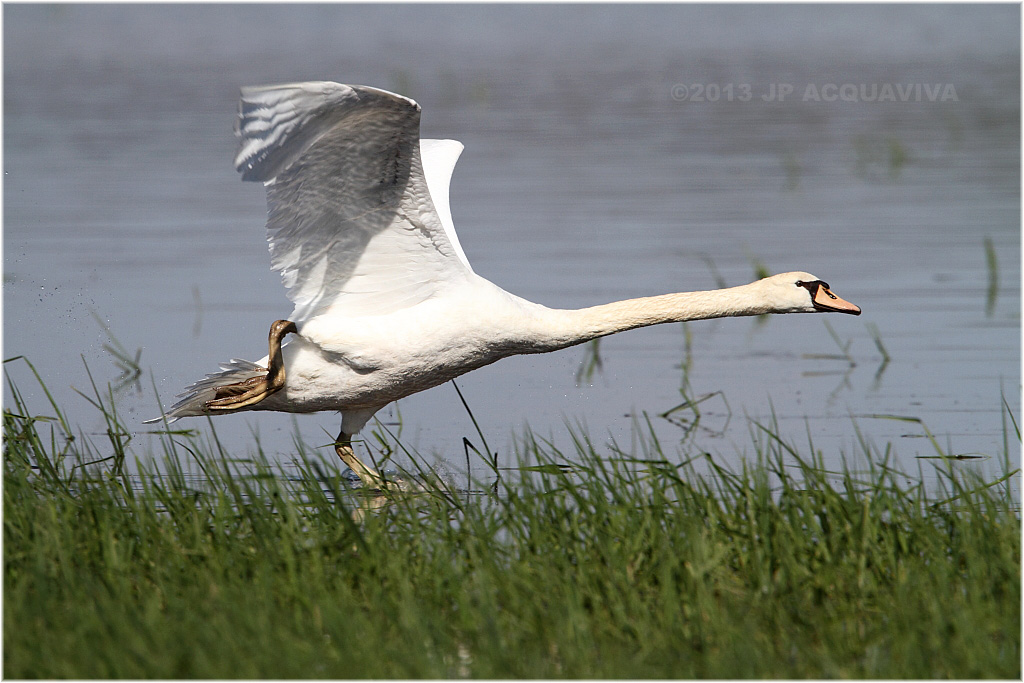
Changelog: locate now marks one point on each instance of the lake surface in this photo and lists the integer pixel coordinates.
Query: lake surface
(611, 152)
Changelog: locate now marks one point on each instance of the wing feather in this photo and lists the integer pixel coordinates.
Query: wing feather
(439, 158)
(352, 225)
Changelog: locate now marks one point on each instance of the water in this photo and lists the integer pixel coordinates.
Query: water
(587, 177)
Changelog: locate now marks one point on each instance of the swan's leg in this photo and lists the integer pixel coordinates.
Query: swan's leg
(369, 476)
(368, 504)
(250, 392)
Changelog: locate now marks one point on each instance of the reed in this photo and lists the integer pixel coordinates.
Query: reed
(992, 265)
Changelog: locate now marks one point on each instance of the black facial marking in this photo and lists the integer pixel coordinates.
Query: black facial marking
(813, 285)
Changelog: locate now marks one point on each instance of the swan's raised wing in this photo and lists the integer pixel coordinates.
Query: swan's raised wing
(351, 223)
(439, 157)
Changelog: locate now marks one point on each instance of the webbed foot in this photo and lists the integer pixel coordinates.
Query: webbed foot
(254, 390)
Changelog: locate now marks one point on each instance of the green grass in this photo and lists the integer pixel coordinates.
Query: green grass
(596, 563)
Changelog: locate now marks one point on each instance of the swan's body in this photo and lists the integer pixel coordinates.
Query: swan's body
(386, 303)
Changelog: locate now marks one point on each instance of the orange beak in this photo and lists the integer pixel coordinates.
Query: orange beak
(825, 300)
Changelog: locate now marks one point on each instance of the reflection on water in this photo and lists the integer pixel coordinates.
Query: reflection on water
(587, 177)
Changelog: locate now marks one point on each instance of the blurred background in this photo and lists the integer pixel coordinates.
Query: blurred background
(611, 152)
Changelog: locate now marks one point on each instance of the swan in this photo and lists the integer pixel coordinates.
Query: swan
(386, 302)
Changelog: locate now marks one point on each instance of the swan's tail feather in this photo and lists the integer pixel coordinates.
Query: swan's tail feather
(215, 385)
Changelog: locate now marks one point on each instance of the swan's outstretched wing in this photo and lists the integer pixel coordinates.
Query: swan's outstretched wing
(439, 157)
(351, 223)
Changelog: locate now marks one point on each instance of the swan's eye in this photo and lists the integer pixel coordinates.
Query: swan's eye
(812, 287)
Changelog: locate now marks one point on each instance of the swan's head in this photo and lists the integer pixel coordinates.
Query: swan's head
(803, 293)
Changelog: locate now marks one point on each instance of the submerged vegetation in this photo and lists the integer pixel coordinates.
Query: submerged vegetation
(596, 563)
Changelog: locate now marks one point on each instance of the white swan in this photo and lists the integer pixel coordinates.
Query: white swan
(386, 303)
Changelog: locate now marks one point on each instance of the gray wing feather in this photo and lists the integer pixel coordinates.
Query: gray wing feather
(345, 186)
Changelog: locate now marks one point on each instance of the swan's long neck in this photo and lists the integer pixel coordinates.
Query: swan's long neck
(561, 328)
